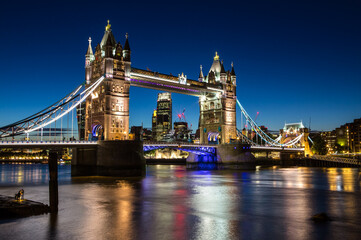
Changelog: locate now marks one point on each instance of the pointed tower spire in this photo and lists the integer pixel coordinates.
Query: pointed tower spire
(233, 75)
(232, 71)
(216, 68)
(222, 67)
(90, 50)
(223, 74)
(107, 27)
(126, 49)
(216, 57)
(107, 35)
(108, 48)
(126, 45)
(201, 76)
(89, 56)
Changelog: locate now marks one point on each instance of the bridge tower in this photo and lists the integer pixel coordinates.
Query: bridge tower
(217, 118)
(107, 109)
(292, 130)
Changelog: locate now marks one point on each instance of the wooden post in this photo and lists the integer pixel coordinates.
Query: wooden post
(53, 181)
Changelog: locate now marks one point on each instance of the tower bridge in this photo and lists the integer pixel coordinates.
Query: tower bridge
(107, 110)
(105, 100)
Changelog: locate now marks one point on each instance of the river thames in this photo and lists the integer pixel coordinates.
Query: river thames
(173, 202)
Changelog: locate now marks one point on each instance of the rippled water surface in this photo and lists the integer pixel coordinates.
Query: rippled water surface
(171, 202)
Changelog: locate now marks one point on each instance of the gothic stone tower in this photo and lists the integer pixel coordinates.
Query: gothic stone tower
(107, 108)
(217, 119)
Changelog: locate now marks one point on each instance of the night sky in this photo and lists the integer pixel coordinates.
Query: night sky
(294, 60)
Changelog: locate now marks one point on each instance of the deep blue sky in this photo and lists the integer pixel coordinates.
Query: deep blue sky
(293, 59)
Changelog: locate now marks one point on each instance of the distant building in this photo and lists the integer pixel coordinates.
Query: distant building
(154, 124)
(264, 129)
(330, 138)
(355, 136)
(342, 137)
(147, 134)
(348, 136)
(136, 133)
(162, 117)
(181, 131)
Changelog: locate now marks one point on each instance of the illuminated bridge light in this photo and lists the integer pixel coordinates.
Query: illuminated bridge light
(165, 85)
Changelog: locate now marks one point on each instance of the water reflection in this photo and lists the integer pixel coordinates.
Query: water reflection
(342, 179)
(19, 174)
(215, 200)
(172, 202)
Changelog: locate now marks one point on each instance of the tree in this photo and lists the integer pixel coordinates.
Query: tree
(339, 148)
(319, 146)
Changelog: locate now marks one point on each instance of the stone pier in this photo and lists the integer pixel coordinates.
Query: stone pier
(228, 154)
(110, 158)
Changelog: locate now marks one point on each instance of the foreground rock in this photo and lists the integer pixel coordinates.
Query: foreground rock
(11, 208)
(321, 217)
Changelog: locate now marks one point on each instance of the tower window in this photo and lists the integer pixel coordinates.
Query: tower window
(212, 105)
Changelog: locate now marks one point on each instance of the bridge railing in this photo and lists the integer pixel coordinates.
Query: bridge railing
(178, 143)
(353, 161)
(47, 142)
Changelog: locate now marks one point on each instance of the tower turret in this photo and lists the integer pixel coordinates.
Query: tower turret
(201, 76)
(215, 68)
(126, 50)
(89, 56)
(108, 39)
(223, 74)
(233, 75)
(108, 48)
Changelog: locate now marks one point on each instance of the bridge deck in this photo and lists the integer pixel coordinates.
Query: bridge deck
(252, 148)
(47, 144)
(80, 144)
(352, 161)
(164, 82)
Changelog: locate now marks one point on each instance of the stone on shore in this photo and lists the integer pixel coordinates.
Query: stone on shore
(11, 208)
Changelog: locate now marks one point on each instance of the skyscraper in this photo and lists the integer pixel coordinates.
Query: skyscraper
(163, 116)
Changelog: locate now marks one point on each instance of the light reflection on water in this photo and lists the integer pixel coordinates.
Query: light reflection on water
(171, 202)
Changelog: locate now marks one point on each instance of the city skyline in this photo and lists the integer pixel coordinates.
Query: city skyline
(289, 67)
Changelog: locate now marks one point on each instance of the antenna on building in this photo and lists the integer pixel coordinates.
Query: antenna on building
(309, 125)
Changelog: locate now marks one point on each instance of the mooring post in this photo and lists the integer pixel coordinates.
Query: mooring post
(53, 181)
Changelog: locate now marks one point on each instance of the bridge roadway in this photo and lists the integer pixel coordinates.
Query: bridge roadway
(48, 145)
(179, 145)
(147, 146)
